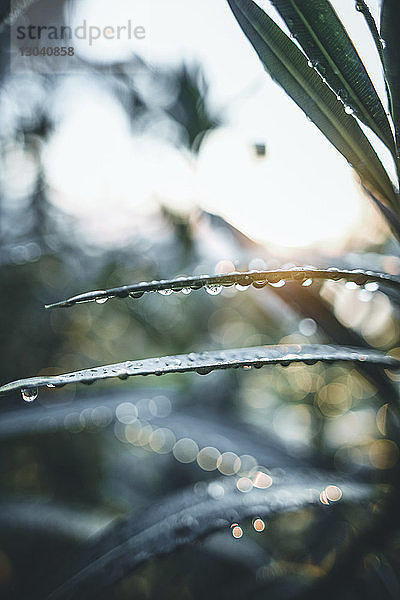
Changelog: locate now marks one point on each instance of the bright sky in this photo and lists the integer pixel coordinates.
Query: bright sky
(294, 197)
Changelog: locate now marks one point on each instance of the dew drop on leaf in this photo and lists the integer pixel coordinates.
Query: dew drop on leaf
(307, 282)
(213, 290)
(279, 283)
(241, 288)
(29, 394)
(371, 286)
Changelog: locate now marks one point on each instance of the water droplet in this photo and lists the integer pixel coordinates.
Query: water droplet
(278, 284)
(348, 110)
(241, 288)
(307, 282)
(351, 285)
(192, 356)
(213, 290)
(165, 292)
(359, 6)
(51, 385)
(29, 394)
(343, 96)
(383, 43)
(101, 300)
(186, 291)
(371, 286)
(313, 64)
(204, 370)
(136, 294)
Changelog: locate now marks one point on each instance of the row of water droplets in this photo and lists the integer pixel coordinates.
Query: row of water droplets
(243, 282)
(215, 289)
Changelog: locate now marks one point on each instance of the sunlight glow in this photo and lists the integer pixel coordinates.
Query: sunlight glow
(301, 194)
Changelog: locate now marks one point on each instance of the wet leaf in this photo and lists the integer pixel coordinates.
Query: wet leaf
(184, 518)
(214, 283)
(288, 66)
(330, 51)
(205, 362)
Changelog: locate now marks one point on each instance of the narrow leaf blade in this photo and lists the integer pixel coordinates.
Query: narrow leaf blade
(289, 67)
(325, 41)
(205, 362)
(183, 519)
(257, 279)
(390, 23)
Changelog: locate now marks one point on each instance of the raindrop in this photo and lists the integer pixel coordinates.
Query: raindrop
(371, 286)
(186, 291)
(51, 385)
(213, 290)
(101, 300)
(165, 292)
(313, 64)
(241, 288)
(359, 6)
(383, 43)
(204, 370)
(29, 394)
(136, 294)
(307, 282)
(348, 110)
(351, 285)
(342, 95)
(278, 284)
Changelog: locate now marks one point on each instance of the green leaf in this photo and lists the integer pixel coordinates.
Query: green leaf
(363, 8)
(288, 66)
(214, 283)
(323, 38)
(205, 362)
(390, 24)
(184, 518)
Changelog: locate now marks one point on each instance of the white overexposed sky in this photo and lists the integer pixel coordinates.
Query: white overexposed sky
(302, 193)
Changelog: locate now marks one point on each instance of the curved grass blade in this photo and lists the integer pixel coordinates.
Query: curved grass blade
(323, 38)
(186, 517)
(214, 283)
(362, 7)
(390, 19)
(205, 362)
(288, 66)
